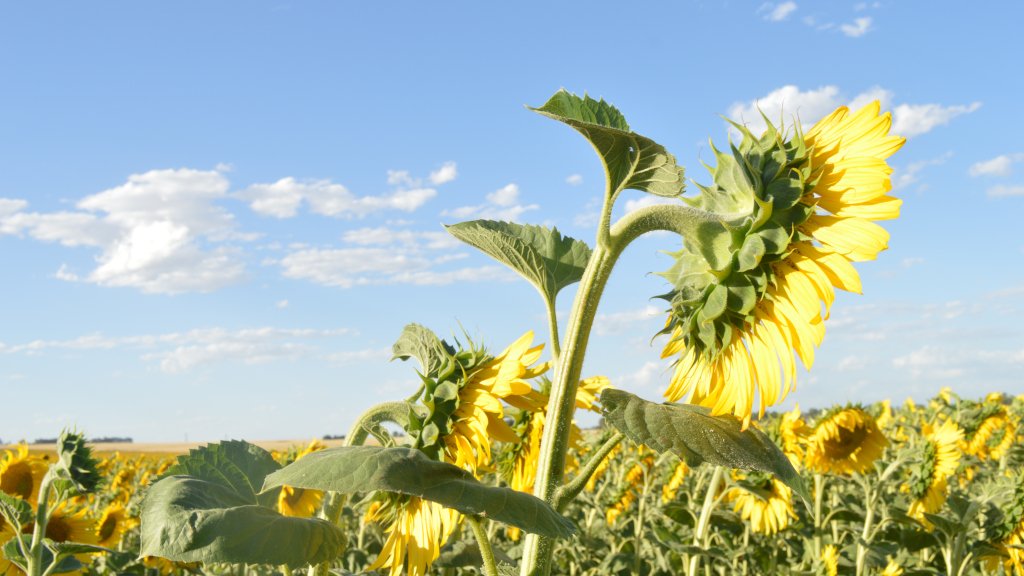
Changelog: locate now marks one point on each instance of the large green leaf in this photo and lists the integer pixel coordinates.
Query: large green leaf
(15, 510)
(236, 465)
(421, 343)
(693, 434)
(630, 160)
(214, 515)
(351, 469)
(543, 256)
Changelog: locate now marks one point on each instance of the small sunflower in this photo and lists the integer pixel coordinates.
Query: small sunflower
(764, 502)
(994, 437)
(800, 212)
(670, 488)
(635, 477)
(301, 502)
(941, 457)
(830, 560)
(891, 569)
(112, 525)
(417, 530)
(793, 433)
(602, 467)
(844, 441)
(22, 473)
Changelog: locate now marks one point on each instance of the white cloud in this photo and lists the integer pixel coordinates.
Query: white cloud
(384, 236)
(1003, 191)
(648, 376)
(618, 322)
(281, 199)
(856, 29)
(182, 351)
(502, 204)
(789, 102)
(161, 232)
(446, 173)
(911, 262)
(282, 304)
(777, 12)
(999, 166)
(907, 175)
(574, 179)
(852, 362)
(914, 119)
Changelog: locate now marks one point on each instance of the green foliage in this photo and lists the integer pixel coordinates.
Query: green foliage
(542, 256)
(421, 343)
(693, 434)
(75, 470)
(631, 161)
(14, 510)
(213, 514)
(64, 563)
(355, 469)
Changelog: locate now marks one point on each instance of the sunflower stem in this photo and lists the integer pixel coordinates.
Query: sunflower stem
(35, 558)
(571, 489)
(869, 515)
(700, 534)
(819, 492)
(490, 567)
(684, 220)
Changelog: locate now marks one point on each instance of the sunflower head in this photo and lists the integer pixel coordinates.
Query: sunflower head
(940, 457)
(763, 501)
(417, 529)
(21, 473)
(462, 409)
(830, 560)
(76, 469)
(301, 502)
(844, 441)
(112, 525)
(794, 210)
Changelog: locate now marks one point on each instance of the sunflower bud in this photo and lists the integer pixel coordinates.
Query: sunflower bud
(76, 470)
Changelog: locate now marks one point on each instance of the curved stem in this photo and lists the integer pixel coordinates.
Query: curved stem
(571, 489)
(700, 534)
(490, 568)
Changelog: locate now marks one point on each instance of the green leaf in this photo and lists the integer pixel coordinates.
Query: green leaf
(12, 552)
(235, 465)
(421, 343)
(65, 548)
(461, 553)
(213, 514)
(630, 160)
(351, 469)
(693, 434)
(192, 520)
(15, 510)
(543, 256)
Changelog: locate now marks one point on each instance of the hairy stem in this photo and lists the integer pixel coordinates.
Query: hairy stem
(701, 532)
(490, 567)
(571, 489)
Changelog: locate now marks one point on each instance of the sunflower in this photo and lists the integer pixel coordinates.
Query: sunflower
(764, 502)
(635, 477)
(301, 502)
(601, 468)
(994, 437)
(669, 489)
(891, 569)
(529, 426)
(479, 415)
(792, 434)
(797, 213)
(112, 525)
(417, 530)
(830, 560)
(21, 474)
(941, 458)
(844, 441)
(67, 525)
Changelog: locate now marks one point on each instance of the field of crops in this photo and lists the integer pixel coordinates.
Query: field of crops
(903, 489)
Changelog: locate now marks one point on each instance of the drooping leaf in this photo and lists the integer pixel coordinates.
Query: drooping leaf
(631, 161)
(238, 466)
(694, 435)
(351, 469)
(543, 256)
(213, 513)
(421, 343)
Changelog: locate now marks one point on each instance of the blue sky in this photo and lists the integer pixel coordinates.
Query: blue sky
(216, 217)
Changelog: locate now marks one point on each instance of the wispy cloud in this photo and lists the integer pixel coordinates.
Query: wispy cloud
(857, 28)
(777, 12)
(502, 204)
(1001, 165)
(1004, 191)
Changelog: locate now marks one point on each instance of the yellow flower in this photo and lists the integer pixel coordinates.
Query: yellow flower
(21, 474)
(726, 358)
(768, 507)
(65, 525)
(669, 489)
(891, 569)
(416, 533)
(941, 458)
(635, 477)
(994, 437)
(793, 433)
(830, 560)
(112, 525)
(845, 441)
(301, 502)
(479, 416)
(602, 467)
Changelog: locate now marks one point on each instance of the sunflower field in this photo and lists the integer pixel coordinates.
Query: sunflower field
(492, 475)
